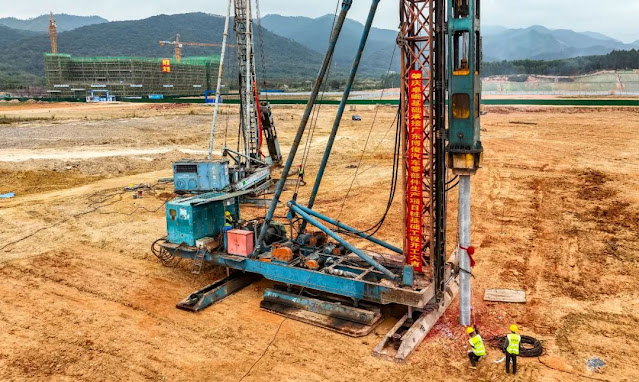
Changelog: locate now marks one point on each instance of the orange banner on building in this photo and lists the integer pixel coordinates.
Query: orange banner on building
(166, 65)
(415, 167)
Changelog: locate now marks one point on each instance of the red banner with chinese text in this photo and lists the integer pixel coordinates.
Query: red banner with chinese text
(166, 65)
(415, 167)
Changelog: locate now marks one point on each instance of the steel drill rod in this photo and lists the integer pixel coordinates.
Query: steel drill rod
(220, 73)
(390, 275)
(464, 259)
(346, 5)
(342, 106)
(348, 228)
(249, 81)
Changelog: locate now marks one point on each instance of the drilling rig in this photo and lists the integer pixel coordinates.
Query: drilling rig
(321, 277)
(250, 170)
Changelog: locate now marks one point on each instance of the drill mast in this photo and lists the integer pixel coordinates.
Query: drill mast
(247, 79)
(423, 128)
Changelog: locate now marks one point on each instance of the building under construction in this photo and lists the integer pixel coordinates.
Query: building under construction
(124, 77)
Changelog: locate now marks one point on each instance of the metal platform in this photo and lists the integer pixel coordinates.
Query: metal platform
(342, 277)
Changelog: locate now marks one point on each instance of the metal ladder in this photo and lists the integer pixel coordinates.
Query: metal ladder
(198, 261)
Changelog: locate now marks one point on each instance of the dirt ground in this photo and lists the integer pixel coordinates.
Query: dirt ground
(555, 212)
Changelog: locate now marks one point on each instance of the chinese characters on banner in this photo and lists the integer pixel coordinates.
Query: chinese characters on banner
(415, 166)
(166, 65)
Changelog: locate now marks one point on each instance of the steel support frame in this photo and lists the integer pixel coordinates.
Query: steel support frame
(302, 212)
(439, 255)
(347, 228)
(417, 42)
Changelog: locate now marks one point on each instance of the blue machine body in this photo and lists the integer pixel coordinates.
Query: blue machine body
(190, 219)
(200, 176)
(464, 79)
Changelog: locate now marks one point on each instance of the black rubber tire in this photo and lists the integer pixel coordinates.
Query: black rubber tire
(529, 346)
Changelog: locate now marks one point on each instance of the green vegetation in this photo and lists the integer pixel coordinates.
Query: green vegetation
(283, 59)
(616, 60)
(13, 78)
(293, 48)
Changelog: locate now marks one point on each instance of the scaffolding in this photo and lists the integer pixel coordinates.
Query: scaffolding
(129, 77)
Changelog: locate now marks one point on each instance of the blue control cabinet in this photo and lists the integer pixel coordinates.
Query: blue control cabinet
(201, 176)
(190, 219)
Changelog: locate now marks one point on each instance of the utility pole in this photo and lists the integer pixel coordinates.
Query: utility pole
(219, 78)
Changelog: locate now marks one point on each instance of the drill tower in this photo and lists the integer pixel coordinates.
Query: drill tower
(247, 79)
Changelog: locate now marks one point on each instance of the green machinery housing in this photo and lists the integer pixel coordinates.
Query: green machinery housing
(69, 77)
(464, 86)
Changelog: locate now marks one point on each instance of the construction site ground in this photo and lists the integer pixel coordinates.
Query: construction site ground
(555, 213)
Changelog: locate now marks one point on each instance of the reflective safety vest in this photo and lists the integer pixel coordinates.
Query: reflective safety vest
(513, 343)
(478, 346)
(229, 221)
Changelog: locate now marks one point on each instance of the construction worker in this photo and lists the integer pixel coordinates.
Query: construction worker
(300, 174)
(477, 344)
(228, 220)
(513, 339)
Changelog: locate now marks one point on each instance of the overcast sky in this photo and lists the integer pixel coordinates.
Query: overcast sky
(615, 18)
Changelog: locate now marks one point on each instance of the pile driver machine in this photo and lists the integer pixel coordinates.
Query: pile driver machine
(348, 285)
(250, 170)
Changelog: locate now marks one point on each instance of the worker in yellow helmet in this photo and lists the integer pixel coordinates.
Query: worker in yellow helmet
(513, 339)
(228, 219)
(477, 344)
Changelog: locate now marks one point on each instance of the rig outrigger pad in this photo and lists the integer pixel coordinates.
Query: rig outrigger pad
(410, 330)
(217, 291)
(333, 315)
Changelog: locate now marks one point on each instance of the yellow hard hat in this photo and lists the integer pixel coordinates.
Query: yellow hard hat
(227, 213)
(514, 328)
(469, 330)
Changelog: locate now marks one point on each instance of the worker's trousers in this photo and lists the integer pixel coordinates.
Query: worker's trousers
(511, 358)
(473, 358)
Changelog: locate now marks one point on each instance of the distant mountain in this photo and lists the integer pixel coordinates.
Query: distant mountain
(492, 29)
(314, 34)
(500, 43)
(599, 36)
(540, 43)
(293, 46)
(284, 58)
(41, 23)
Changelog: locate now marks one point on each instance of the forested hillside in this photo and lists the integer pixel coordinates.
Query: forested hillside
(616, 60)
(284, 58)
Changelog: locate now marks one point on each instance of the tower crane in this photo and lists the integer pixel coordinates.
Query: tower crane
(180, 44)
(53, 34)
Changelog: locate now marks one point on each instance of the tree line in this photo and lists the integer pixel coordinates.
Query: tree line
(615, 60)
